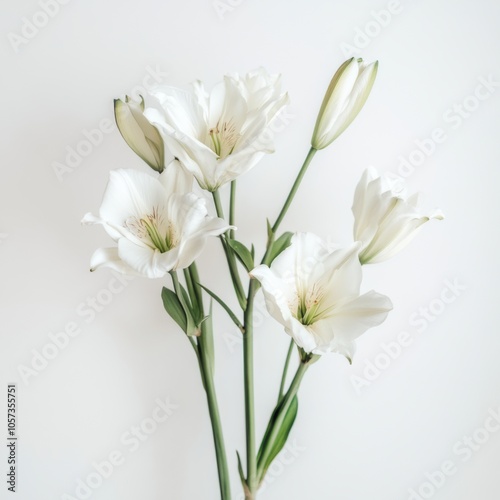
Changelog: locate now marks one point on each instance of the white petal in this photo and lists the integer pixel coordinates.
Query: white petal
(176, 179)
(115, 232)
(280, 296)
(340, 277)
(339, 94)
(281, 299)
(130, 193)
(193, 246)
(181, 111)
(358, 97)
(108, 257)
(144, 260)
(357, 316)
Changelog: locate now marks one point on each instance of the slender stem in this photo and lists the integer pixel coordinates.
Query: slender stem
(232, 202)
(177, 286)
(218, 204)
(285, 370)
(284, 406)
(295, 187)
(231, 259)
(213, 409)
(189, 284)
(195, 279)
(249, 390)
(195, 294)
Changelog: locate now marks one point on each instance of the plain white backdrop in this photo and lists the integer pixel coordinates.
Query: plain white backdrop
(375, 441)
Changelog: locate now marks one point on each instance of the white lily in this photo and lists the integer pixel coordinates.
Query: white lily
(346, 95)
(220, 136)
(158, 223)
(314, 294)
(385, 220)
(142, 137)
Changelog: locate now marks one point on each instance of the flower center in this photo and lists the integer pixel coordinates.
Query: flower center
(224, 137)
(154, 230)
(309, 303)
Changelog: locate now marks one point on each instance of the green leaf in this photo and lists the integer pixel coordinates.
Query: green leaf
(226, 308)
(279, 245)
(240, 470)
(244, 255)
(281, 437)
(174, 308)
(174, 303)
(246, 489)
(270, 233)
(192, 307)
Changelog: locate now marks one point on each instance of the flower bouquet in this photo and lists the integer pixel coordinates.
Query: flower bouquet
(197, 141)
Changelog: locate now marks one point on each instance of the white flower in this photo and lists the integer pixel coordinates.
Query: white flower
(158, 223)
(220, 136)
(385, 220)
(314, 294)
(139, 134)
(346, 95)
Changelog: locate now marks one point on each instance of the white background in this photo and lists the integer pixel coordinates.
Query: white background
(375, 443)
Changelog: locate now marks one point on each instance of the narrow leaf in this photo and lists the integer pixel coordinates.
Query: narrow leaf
(280, 439)
(240, 470)
(174, 308)
(226, 308)
(270, 234)
(244, 255)
(279, 245)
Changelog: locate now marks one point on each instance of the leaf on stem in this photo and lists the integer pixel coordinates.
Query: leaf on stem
(244, 255)
(270, 232)
(241, 473)
(174, 308)
(279, 245)
(179, 310)
(226, 308)
(263, 462)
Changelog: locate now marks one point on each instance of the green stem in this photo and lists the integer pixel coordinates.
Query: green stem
(177, 286)
(285, 370)
(231, 259)
(195, 294)
(252, 482)
(295, 187)
(232, 214)
(189, 284)
(195, 280)
(284, 406)
(213, 409)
